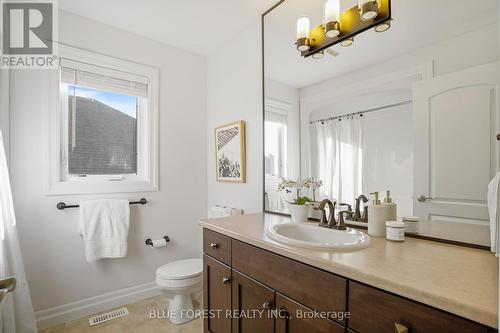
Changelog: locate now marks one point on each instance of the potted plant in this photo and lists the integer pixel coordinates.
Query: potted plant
(313, 185)
(301, 205)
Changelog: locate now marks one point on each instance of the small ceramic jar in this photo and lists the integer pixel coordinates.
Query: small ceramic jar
(395, 231)
(411, 224)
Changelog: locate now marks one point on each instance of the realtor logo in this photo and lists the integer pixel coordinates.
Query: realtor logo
(28, 30)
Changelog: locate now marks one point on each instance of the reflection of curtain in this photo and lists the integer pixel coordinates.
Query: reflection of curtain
(336, 153)
(16, 309)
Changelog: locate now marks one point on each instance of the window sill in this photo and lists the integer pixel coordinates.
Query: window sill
(70, 188)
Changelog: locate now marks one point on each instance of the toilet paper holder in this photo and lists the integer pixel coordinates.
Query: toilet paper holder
(149, 241)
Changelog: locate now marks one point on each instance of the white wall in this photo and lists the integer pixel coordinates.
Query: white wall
(53, 251)
(234, 92)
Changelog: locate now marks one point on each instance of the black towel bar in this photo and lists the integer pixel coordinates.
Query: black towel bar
(63, 206)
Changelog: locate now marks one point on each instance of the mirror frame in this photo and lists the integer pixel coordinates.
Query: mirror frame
(417, 236)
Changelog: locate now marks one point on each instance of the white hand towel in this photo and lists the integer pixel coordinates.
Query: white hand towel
(218, 211)
(493, 205)
(104, 227)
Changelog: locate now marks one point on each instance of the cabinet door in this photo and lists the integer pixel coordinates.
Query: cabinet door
(295, 318)
(252, 305)
(216, 296)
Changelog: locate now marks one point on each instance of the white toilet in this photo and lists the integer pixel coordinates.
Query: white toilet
(181, 282)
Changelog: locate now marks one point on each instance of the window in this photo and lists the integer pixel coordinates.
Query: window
(107, 126)
(275, 153)
(276, 144)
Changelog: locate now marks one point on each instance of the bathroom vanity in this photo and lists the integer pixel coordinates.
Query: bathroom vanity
(416, 286)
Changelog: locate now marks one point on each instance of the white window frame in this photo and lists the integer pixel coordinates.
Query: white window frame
(146, 179)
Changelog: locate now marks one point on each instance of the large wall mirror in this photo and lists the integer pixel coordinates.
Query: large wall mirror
(413, 110)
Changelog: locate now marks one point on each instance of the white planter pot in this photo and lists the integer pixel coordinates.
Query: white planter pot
(299, 213)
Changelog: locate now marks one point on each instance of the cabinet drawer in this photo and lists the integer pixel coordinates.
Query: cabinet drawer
(309, 286)
(375, 311)
(217, 246)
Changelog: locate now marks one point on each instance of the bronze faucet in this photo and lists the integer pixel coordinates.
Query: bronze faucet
(341, 225)
(330, 223)
(357, 213)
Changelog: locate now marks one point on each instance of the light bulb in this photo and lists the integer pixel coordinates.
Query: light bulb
(368, 9)
(383, 26)
(303, 27)
(303, 34)
(318, 55)
(347, 42)
(332, 18)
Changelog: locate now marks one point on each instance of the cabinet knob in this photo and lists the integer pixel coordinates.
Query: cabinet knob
(267, 305)
(214, 245)
(398, 328)
(226, 280)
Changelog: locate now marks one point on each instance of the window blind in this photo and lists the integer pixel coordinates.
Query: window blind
(96, 77)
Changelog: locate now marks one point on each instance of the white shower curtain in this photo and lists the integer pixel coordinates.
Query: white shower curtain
(17, 314)
(337, 157)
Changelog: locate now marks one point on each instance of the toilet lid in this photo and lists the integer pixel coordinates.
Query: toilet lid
(181, 269)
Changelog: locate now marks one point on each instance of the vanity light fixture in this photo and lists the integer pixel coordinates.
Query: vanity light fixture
(341, 27)
(332, 18)
(347, 42)
(368, 9)
(303, 34)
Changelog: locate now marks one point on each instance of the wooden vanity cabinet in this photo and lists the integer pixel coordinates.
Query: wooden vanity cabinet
(310, 286)
(242, 277)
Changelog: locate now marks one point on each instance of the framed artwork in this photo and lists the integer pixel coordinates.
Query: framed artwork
(230, 152)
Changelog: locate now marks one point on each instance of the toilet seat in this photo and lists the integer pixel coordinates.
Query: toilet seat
(180, 270)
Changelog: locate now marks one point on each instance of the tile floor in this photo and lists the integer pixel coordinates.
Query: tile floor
(137, 320)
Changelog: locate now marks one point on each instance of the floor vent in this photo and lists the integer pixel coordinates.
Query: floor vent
(107, 316)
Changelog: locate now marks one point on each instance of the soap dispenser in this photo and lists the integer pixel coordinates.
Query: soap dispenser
(392, 208)
(377, 216)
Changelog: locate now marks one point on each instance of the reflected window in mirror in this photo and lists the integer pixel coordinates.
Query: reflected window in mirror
(275, 156)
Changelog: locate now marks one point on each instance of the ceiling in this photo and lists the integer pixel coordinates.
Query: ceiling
(417, 23)
(198, 26)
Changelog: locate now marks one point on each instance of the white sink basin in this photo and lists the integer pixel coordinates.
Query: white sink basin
(316, 237)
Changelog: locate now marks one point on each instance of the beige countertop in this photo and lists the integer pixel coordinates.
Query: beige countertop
(460, 280)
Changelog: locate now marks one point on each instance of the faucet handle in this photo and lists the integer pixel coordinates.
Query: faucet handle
(349, 207)
(341, 225)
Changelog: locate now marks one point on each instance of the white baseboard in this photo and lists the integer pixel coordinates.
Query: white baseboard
(75, 310)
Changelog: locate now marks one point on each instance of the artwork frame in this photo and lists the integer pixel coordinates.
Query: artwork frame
(230, 152)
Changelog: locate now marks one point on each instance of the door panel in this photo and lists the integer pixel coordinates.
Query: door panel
(254, 302)
(216, 295)
(456, 153)
(295, 318)
(460, 143)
